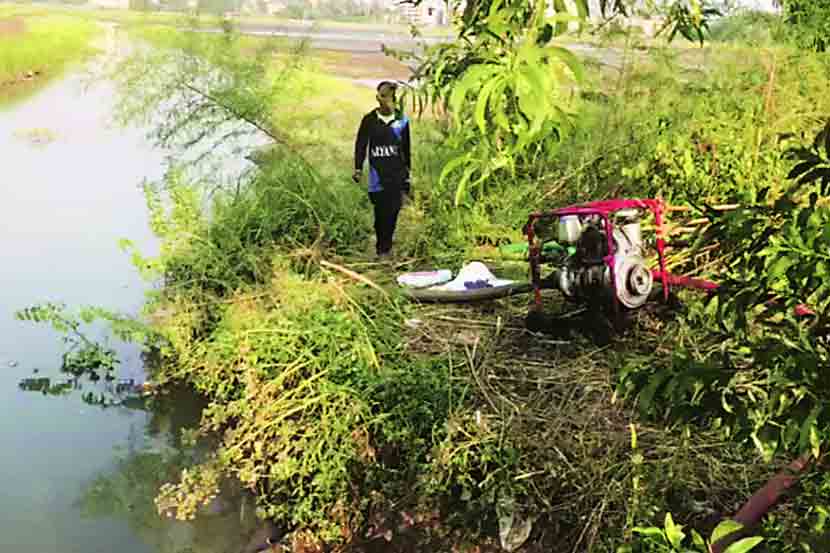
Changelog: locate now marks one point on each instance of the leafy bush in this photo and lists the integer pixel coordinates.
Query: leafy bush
(672, 539)
(315, 406)
(225, 246)
(749, 27)
(810, 23)
(756, 372)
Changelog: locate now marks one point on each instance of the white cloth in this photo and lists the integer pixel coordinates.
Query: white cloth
(424, 279)
(386, 118)
(472, 272)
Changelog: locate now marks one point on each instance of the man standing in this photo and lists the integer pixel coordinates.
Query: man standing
(384, 133)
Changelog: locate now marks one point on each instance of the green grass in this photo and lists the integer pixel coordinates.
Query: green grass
(323, 114)
(117, 16)
(45, 48)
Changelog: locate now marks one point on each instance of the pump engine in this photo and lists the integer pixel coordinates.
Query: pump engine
(595, 252)
(591, 273)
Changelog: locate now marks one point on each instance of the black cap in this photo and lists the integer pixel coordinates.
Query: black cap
(387, 83)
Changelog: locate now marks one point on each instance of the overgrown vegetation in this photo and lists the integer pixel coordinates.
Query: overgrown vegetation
(354, 416)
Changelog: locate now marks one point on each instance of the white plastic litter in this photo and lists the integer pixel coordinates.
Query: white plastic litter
(514, 528)
(424, 279)
(474, 272)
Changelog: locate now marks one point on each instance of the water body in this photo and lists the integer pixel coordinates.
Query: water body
(75, 478)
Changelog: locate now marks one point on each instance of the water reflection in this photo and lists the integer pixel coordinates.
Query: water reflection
(46, 386)
(124, 393)
(128, 491)
(154, 455)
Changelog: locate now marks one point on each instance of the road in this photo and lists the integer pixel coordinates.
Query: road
(345, 40)
(368, 41)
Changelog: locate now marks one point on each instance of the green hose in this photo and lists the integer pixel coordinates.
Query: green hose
(520, 250)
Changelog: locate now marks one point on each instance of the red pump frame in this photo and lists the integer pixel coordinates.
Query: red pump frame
(604, 209)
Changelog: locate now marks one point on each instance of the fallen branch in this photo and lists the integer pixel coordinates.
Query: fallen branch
(353, 275)
(721, 207)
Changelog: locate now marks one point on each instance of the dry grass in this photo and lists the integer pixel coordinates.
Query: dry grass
(361, 65)
(554, 399)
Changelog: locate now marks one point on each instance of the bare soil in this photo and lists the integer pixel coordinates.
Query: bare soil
(363, 65)
(12, 26)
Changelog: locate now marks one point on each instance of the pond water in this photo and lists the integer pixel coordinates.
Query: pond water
(76, 477)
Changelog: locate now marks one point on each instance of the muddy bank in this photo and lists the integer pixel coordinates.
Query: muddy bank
(16, 27)
(24, 78)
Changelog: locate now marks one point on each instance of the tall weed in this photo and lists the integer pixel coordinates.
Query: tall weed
(318, 412)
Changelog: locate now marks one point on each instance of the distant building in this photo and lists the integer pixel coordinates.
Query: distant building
(440, 12)
(267, 7)
(428, 13)
(111, 4)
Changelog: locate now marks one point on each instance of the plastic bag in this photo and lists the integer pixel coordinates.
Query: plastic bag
(424, 279)
(471, 276)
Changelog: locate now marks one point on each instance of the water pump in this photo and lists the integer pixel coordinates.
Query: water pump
(586, 275)
(600, 257)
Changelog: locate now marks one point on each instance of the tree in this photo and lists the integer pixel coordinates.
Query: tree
(506, 74)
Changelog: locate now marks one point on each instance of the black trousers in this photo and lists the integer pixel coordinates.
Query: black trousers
(387, 205)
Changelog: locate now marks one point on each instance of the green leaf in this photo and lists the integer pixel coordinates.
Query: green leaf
(808, 428)
(744, 545)
(570, 60)
(529, 53)
(469, 82)
(451, 166)
(674, 532)
(462, 184)
(724, 529)
(697, 539)
(482, 102)
(560, 8)
(536, 80)
(495, 7)
(582, 10)
(562, 18)
(779, 267)
(531, 102)
(815, 441)
(725, 404)
(650, 531)
(646, 396)
(765, 447)
(800, 169)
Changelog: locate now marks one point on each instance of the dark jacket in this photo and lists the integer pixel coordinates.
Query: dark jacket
(388, 149)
